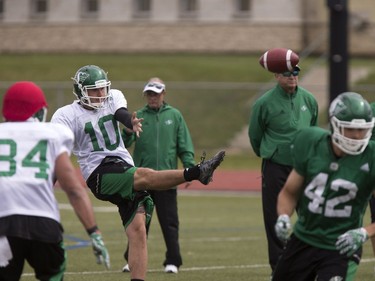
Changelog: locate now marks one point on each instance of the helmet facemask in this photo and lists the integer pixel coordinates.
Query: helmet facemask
(99, 102)
(350, 111)
(89, 78)
(348, 145)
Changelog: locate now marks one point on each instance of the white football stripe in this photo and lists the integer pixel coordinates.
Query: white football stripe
(265, 60)
(288, 61)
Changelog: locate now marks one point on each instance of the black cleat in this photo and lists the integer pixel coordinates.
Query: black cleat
(208, 167)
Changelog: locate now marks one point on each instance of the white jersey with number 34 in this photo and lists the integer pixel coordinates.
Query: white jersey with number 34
(28, 151)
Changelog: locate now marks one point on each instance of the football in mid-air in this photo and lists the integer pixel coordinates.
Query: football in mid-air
(279, 60)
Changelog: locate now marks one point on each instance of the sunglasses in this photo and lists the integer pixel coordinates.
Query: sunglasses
(290, 73)
(156, 85)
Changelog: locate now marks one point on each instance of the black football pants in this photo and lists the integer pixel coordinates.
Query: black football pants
(372, 208)
(47, 259)
(273, 179)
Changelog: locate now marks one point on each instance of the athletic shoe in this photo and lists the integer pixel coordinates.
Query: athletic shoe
(208, 167)
(126, 268)
(170, 268)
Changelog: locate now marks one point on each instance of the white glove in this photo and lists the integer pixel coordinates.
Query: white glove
(351, 241)
(100, 251)
(283, 227)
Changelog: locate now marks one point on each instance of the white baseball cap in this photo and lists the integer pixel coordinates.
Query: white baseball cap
(156, 87)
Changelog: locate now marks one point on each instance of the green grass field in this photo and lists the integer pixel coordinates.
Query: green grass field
(221, 238)
(213, 91)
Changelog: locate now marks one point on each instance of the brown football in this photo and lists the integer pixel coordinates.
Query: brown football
(279, 60)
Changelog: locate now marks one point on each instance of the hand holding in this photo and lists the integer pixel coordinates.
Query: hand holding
(351, 241)
(283, 227)
(100, 251)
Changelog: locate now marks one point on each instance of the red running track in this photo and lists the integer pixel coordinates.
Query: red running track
(222, 181)
(230, 181)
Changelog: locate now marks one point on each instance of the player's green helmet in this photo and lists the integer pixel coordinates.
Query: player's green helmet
(350, 110)
(91, 77)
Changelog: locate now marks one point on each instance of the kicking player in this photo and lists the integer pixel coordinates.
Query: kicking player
(106, 164)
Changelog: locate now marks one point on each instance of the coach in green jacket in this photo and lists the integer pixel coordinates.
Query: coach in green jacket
(164, 140)
(275, 118)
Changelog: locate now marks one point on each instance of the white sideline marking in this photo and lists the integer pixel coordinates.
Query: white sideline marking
(221, 239)
(202, 268)
(205, 268)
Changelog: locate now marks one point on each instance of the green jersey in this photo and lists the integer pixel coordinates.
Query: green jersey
(336, 190)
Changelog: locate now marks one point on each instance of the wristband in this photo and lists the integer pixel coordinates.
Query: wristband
(92, 230)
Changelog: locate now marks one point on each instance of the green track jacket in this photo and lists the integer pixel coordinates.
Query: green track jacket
(164, 139)
(276, 117)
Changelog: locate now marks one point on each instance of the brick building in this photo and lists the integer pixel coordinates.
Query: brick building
(177, 25)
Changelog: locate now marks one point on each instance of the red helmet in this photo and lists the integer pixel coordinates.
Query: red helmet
(22, 100)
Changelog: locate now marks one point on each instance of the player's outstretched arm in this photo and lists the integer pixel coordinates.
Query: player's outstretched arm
(79, 199)
(130, 121)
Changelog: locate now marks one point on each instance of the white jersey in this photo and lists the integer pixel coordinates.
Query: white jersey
(28, 151)
(97, 133)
